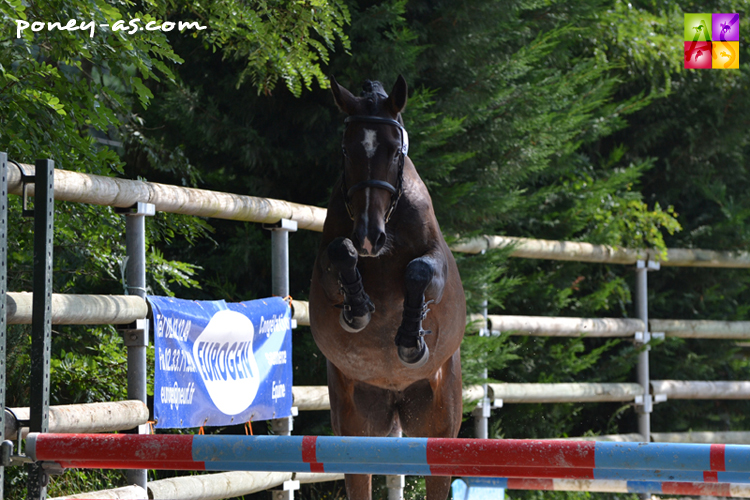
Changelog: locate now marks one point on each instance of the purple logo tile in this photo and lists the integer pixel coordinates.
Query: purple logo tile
(725, 27)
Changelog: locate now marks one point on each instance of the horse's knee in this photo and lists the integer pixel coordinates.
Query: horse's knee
(342, 254)
(419, 274)
(412, 350)
(357, 308)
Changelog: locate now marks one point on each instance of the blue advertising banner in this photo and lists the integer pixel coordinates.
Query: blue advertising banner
(220, 363)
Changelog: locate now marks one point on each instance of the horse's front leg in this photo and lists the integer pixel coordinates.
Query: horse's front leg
(357, 308)
(425, 276)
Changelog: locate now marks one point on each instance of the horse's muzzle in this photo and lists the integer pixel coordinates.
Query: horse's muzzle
(369, 241)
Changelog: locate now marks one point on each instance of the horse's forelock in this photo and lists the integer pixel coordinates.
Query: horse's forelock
(373, 94)
(373, 87)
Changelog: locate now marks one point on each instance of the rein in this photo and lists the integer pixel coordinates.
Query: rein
(395, 191)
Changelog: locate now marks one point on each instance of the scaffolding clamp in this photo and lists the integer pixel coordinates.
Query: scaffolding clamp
(648, 265)
(138, 208)
(136, 333)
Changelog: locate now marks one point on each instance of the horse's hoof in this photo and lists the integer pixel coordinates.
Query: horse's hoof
(355, 324)
(414, 357)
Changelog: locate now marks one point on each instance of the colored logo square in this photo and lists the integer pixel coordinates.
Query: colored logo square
(698, 55)
(726, 55)
(725, 27)
(698, 28)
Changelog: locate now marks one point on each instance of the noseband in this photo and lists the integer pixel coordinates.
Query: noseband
(374, 183)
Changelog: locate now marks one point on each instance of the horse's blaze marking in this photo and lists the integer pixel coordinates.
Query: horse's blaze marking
(370, 143)
(367, 245)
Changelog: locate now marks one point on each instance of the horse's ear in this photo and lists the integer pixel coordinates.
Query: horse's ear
(345, 100)
(397, 100)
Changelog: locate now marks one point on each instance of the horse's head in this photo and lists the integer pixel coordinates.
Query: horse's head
(374, 148)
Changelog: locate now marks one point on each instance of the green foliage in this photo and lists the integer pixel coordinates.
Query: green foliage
(88, 368)
(569, 495)
(486, 277)
(600, 206)
(491, 353)
(51, 97)
(644, 39)
(85, 480)
(286, 40)
(167, 274)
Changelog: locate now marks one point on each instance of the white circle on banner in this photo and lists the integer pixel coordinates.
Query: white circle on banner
(224, 358)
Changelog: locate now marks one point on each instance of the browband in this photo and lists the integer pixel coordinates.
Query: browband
(372, 119)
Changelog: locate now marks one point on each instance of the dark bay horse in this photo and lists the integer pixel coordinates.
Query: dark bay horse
(387, 307)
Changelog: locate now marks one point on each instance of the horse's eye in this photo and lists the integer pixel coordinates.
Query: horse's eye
(343, 151)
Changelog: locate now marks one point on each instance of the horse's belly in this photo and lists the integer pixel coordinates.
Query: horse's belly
(371, 355)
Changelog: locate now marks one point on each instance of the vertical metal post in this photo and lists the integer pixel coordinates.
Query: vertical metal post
(287, 490)
(280, 288)
(646, 405)
(483, 410)
(280, 256)
(395, 485)
(641, 308)
(136, 339)
(41, 317)
(3, 294)
(482, 413)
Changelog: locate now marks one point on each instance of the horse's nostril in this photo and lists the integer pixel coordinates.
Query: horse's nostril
(380, 241)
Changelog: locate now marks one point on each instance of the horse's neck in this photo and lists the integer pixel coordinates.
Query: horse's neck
(416, 193)
(417, 221)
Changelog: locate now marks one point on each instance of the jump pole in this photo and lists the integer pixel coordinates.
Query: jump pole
(569, 473)
(411, 456)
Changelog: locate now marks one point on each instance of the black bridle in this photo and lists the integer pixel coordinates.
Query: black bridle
(374, 183)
